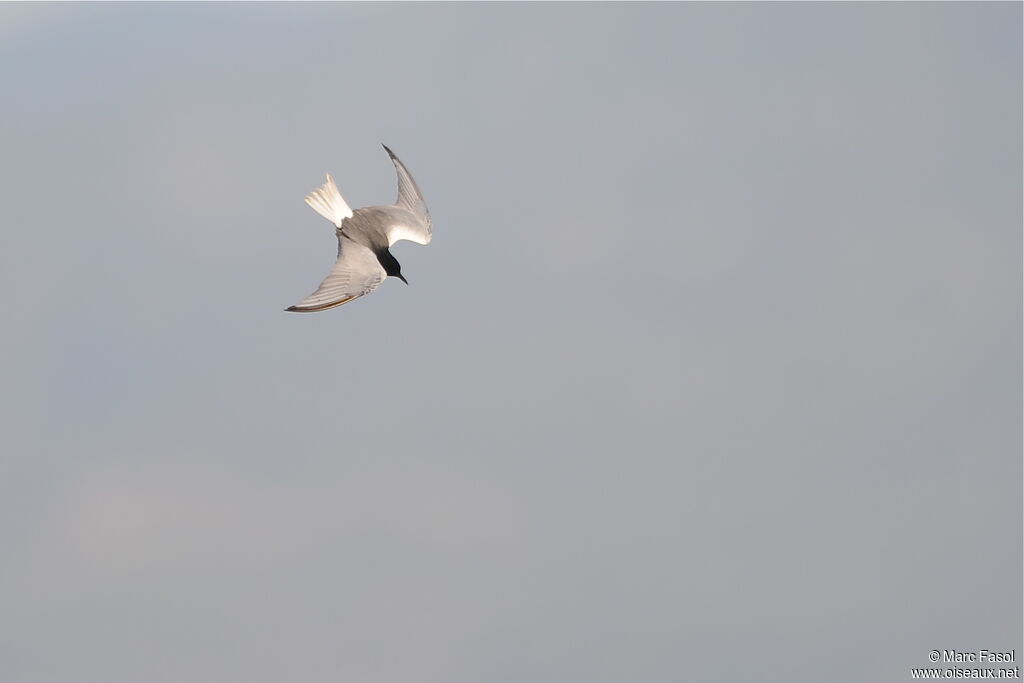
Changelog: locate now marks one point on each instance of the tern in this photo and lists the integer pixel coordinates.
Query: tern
(364, 238)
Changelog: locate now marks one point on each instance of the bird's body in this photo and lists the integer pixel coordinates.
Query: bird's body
(375, 223)
(364, 238)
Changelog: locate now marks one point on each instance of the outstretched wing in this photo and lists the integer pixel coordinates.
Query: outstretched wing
(411, 199)
(356, 272)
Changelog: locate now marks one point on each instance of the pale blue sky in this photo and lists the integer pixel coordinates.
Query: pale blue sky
(712, 371)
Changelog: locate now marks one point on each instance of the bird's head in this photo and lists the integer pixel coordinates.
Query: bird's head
(391, 265)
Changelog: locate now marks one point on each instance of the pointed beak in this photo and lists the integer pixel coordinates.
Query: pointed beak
(402, 278)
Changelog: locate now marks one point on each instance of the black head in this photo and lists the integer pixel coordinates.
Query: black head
(390, 265)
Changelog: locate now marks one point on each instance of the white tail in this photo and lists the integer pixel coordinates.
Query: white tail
(327, 201)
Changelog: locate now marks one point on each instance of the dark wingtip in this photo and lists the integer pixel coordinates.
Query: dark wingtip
(388, 150)
(292, 309)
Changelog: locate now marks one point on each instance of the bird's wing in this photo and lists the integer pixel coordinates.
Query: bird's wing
(356, 272)
(411, 199)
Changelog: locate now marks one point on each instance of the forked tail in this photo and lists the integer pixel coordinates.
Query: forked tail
(327, 201)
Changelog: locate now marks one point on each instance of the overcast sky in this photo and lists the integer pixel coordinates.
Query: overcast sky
(711, 372)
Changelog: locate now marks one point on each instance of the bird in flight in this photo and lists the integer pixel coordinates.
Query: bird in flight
(364, 236)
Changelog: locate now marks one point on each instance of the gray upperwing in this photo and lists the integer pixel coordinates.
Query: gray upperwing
(356, 272)
(411, 199)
